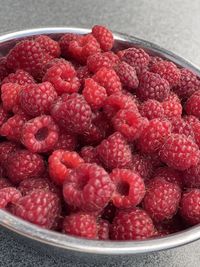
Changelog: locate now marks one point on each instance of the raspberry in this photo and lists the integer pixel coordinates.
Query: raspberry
(170, 175)
(61, 162)
(151, 109)
(172, 109)
(6, 148)
(152, 86)
(27, 55)
(141, 165)
(20, 77)
(168, 71)
(169, 226)
(196, 131)
(89, 155)
(12, 128)
(3, 115)
(9, 195)
(40, 134)
(113, 58)
(190, 206)
(88, 187)
(108, 79)
(162, 199)
(129, 188)
(48, 45)
(134, 224)
(191, 177)
(40, 207)
(154, 135)
(137, 58)
(192, 105)
(4, 183)
(97, 61)
(103, 229)
(154, 60)
(65, 41)
(180, 152)
(10, 95)
(104, 36)
(180, 126)
(81, 224)
(81, 48)
(72, 113)
(109, 212)
(66, 141)
(116, 102)
(191, 120)
(120, 53)
(188, 84)
(83, 73)
(52, 63)
(129, 123)
(36, 99)
(4, 71)
(127, 75)
(114, 151)
(63, 77)
(94, 94)
(23, 164)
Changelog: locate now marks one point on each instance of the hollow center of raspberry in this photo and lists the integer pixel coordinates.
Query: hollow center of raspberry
(42, 134)
(123, 188)
(82, 183)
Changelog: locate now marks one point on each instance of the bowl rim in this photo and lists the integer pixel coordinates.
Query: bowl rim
(67, 242)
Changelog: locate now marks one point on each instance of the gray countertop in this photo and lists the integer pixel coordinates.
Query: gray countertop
(173, 24)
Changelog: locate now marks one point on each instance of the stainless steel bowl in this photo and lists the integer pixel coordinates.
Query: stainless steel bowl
(77, 246)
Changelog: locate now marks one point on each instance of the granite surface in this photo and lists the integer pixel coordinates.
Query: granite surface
(173, 24)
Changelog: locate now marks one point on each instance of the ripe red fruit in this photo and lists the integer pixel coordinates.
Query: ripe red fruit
(103, 229)
(4, 71)
(172, 109)
(192, 105)
(89, 155)
(142, 165)
(170, 175)
(180, 126)
(104, 36)
(20, 77)
(151, 109)
(65, 41)
(48, 45)
(9, 195)
(66, 141)
(191, 177)
(10, 95)
(96, 61)
(6, 148)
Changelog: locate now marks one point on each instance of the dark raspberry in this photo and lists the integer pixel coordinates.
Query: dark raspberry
(4, 183)
(134, 224)
(23, 164)
(20, 77)
(104, 36)
(193, 105)
(180, 126)
(72, 113)
(114, 151)
(65, 41)
(6, 148)
(89, 155)
(97, 61)
(9, 195)
(152, 86)
(162, 199)
(88, 187)
(66, 141)
(83, 73)
(191, 177)
(170, 226)
(48, 45)
(103, 229)
(141, 165)
(10, 95)
(129, 188)
(61, 162)
(4, 71)
(3, 115)
(40, 134)
(168, 71)
(151, 109)
(170, 175)
(180, 152)
(172, 109)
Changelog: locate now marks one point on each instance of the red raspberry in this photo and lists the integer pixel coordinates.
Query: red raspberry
(36, 99)
(190, 206)
(154, 158)
(65, 41)
(66, 141)
(170, 175)
(191, 177)
(168, 71)
(172, 109)
(129, 188)
(154, 60)
(154, 135)
(129, 123)
(137, 58)
(40, 134)
(9, 195)
(83, 47)
(113, 58)
(151, 109)
(63, 77)
(61, 162)
(48, 45)
(72, 113)
(109, 212)
(180, 152)
(29, 56)
(141, 165)
(192, 120)
(97, 61)
(188, 84)
(10, 95)
(114, 151)
(94, 94)
(192, 105)
(196, 131)
(88, 187)
(173, 97)
(116, 102)
(40, 207)
(23, 164)
(81, 224)
(4, 71)
(134, 224)
(152, 86)
(20, 77)
(162, 199)
(12, 128)
(127, 75)
(53, 62)
(104, 36)
(180, 126)
(83, 73)
(103, 229)
(108, 78)
(4, 183)
(6, 148)
(89, 155)
(3, 115)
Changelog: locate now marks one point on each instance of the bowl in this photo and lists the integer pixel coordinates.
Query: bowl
(77, 247)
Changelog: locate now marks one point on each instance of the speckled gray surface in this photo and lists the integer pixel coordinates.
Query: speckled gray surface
(173, 24)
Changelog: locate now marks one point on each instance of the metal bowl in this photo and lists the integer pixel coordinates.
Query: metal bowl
(79, 246)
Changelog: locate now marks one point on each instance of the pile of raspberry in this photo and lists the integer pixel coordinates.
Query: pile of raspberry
(98, 143)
